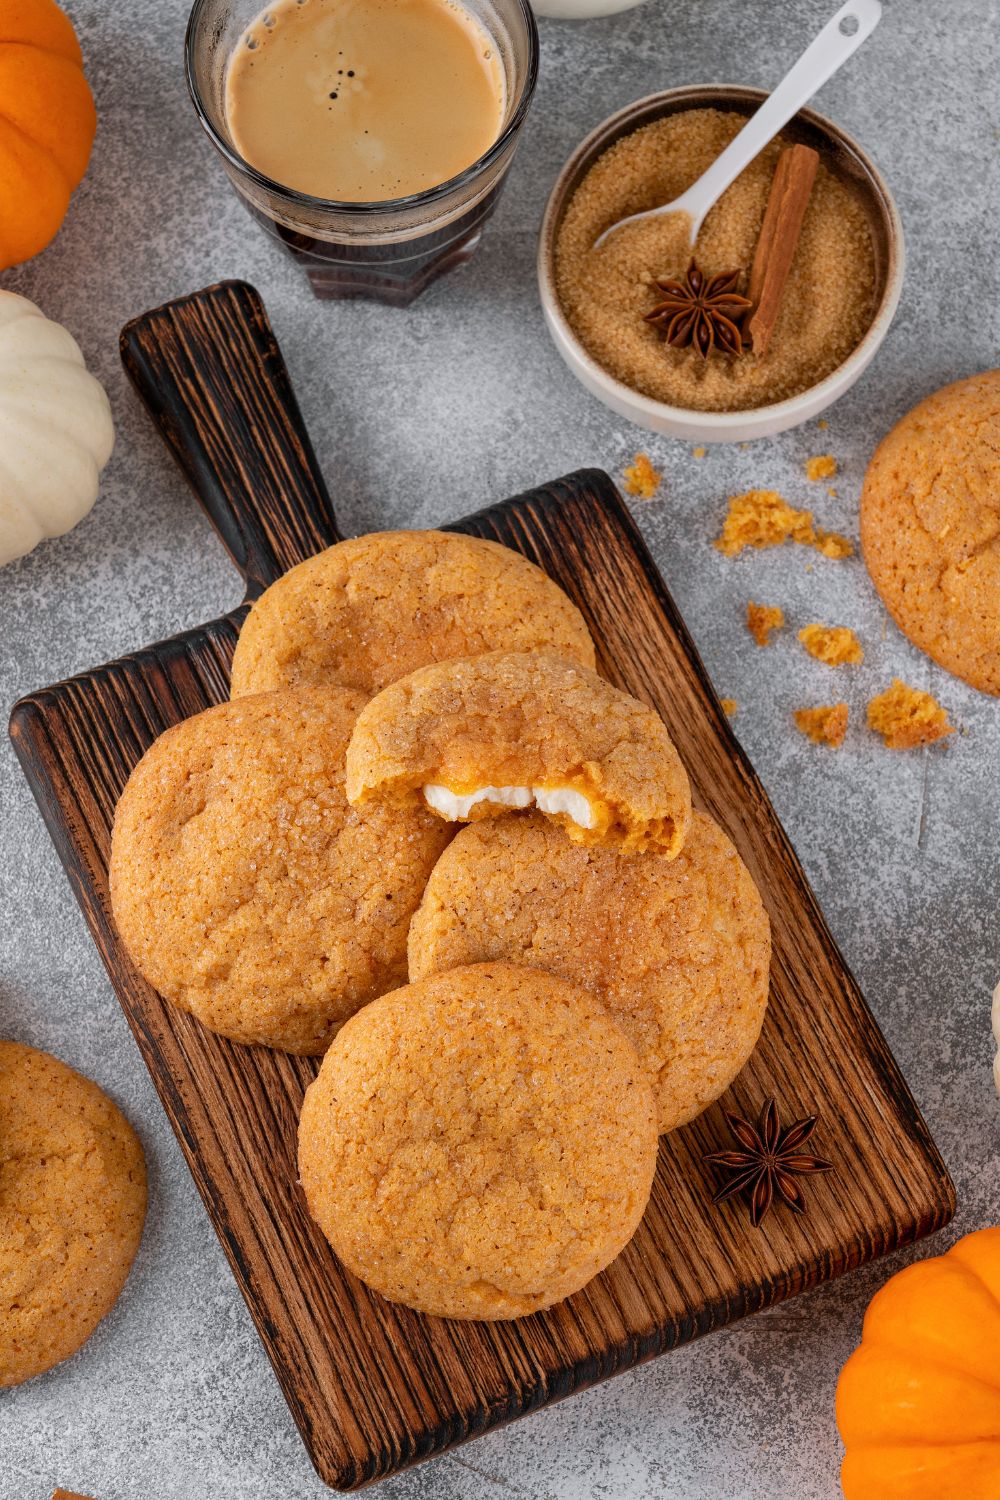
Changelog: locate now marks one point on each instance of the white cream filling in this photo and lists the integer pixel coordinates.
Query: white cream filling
(548, 799)
(565, 799)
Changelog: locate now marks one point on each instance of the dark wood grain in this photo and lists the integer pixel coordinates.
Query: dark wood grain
(233, 424)
(372, 1386)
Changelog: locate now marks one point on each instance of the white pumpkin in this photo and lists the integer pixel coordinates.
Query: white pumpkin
(56, 433)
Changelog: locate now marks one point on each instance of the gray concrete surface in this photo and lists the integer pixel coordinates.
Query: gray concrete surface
(417, 417)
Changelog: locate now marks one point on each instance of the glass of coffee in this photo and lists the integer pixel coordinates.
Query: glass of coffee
(371, 137)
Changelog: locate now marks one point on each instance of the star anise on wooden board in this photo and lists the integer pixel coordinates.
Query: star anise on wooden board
(770, 1161)
(700, 310)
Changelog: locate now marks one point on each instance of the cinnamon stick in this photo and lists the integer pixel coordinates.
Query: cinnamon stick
(793, 181)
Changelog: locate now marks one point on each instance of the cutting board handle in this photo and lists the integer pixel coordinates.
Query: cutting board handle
(210, 371)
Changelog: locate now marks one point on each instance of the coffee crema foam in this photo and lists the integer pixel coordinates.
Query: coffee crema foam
(364, 100)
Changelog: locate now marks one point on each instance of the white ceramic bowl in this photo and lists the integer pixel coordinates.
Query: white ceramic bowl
(846, 157)
(580, 10)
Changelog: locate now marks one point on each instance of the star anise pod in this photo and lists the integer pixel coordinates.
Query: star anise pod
(700, 310)
(770, 1161)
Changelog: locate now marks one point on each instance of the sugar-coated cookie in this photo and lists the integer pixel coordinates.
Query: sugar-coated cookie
(474, 738)
(244, 887)
(479, 1144)
(377, 607)
(930, 527)
(677, 950)
(72, 1207)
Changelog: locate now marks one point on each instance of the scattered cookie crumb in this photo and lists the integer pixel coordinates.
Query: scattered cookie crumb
(826, 725)
(833, 544)
(641, 478)
(907, 717)
(698, 452)
(729, 707)
(836, 645)
(831, 492)
(763, 518)
(762, 619)
(823, 466)
(822, 424)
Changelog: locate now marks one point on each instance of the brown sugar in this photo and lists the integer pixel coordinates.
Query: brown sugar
(762, 619)
(641, 479)
(763, 518)
(907, 717)
(823, 466)
(836, 645)
(825, 725)
(827, 304)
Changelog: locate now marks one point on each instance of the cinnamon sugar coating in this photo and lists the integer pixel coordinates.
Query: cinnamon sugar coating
(479, 1144)
(930, 527)
(678, 951)
(72, 1208)
(524, 720)
(377, 607)
(246, 890)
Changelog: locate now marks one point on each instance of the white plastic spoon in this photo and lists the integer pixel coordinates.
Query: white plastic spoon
(819, 61)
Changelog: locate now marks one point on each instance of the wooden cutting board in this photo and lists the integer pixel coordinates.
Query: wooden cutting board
(374, 1387)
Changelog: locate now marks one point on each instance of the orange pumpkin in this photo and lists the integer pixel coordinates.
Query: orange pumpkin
(918, 1402)
(47, 124)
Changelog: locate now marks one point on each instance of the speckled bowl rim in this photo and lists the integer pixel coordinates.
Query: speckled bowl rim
(714, 425)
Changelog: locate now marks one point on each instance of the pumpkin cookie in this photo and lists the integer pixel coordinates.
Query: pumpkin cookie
(930, 527)
(244, 887)
(677, 951)
(480, 1144)
(72, 1207)
(378, 607)
(475, 738)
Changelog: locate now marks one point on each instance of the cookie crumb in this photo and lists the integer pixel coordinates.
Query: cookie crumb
(825, 725)
(907, 717)
(698, 452)
(729, 707)
(641, 478)
(762, 619)
(836, 645)
(763, 518)
(831, 492)
(822, 424)
(822, 466)
(833, 544)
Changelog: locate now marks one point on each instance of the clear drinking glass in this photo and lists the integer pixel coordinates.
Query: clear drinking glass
(391, 250)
